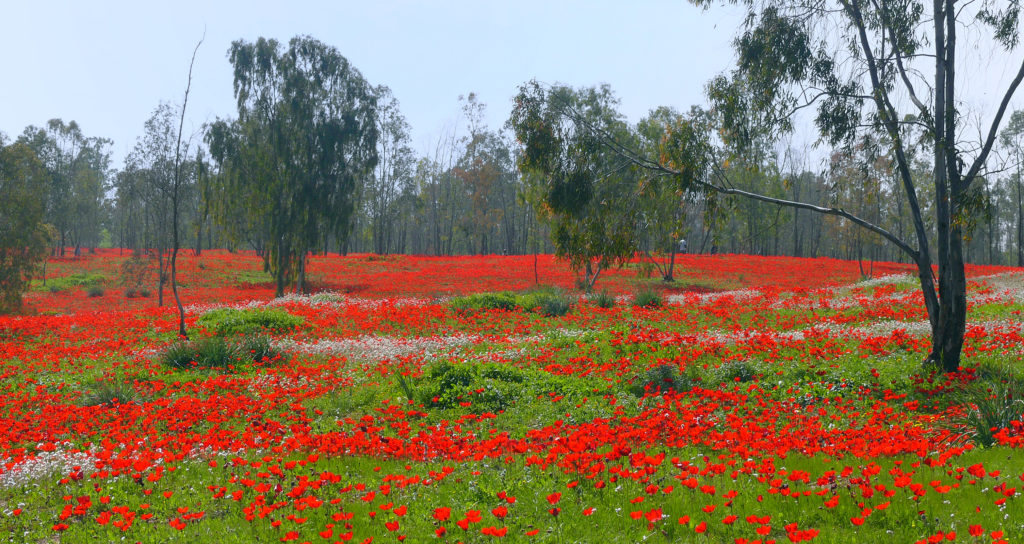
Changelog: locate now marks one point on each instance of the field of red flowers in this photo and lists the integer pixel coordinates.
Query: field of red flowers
(756, 399)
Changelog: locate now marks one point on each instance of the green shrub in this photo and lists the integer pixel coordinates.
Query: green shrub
(647, 299)
(229, 321)
(94, 291)
(215, 352)
(484, 301)
(545, 301)
(551, 303)
(179, 355)
(74, 281)
(603, 300)
(735, 371)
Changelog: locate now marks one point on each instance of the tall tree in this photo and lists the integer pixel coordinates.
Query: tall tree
(23, 235)
(586, 194)
(77, 168)
(305, 133)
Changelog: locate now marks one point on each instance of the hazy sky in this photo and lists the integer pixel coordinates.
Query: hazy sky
(108, 64)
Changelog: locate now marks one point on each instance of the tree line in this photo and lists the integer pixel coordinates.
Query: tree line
(318, 160)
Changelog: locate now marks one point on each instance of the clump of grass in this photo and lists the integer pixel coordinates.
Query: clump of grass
(107, 393)
(74, 281)
(992, 403)
(216, 353)
(230, 321)
(207, 353)
(95, 291)
(603, 300)
(647, 298)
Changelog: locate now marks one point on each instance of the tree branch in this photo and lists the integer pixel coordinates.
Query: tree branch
(987, 147)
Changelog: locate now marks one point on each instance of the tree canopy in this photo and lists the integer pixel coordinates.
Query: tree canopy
(23, 235)
(305, 133)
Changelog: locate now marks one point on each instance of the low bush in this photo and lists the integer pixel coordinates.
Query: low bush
(230, 321)
(545, 301)
(647, 299)
(95, 291)
(74, 281)
(483, 388)
(484, 301)
(549, 302)
(205, 353)
(133, 292)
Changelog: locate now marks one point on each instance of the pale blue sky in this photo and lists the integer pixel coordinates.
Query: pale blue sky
(108, 64)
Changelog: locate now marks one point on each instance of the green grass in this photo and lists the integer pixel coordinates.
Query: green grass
(71, 281)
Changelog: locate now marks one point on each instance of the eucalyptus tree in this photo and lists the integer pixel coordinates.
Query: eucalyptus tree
(305, 134)
(884, 67)
(586, 194)
(23, 234)
(77, 168)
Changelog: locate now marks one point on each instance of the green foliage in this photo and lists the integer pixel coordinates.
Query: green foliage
(603, 300)
(230, 321)
(258, 349)
(992, 403)
(205, 353)
(647, 298)
(546, 302)
(305, 135)
(23, 235)
(485, 301)
(734, 371)
(95, 291)
(586, 194)
(483, 388)
(661, 378)
(75, 281)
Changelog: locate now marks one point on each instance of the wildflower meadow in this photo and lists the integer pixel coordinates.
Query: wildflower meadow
(485, 399)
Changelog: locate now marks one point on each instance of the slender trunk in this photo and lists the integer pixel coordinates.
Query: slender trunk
(1020, 222)
(300, 282)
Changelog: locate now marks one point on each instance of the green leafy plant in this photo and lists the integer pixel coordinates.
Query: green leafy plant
(230, 321)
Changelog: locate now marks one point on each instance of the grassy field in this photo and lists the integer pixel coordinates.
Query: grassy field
(425, 399)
